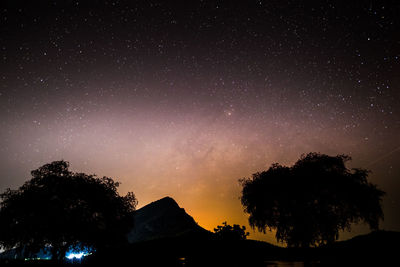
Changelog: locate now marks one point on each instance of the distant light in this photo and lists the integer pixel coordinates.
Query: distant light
(78, 256)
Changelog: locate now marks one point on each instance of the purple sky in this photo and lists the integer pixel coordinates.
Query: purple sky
(184, 99)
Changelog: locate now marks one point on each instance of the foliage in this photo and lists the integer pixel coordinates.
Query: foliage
(228, 232)
(63, 209)
(309, 203)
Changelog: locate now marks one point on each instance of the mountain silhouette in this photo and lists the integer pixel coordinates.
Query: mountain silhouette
(162, 219)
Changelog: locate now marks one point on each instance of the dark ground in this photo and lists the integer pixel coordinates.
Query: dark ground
(375, 249)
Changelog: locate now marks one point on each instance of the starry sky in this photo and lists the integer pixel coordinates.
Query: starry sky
(183, 98)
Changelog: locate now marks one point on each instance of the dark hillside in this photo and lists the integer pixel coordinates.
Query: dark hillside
(162, 219)
(377, 247)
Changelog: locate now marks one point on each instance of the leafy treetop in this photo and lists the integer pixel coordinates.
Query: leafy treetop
(60, 209)
(309, 203)
(228, 232)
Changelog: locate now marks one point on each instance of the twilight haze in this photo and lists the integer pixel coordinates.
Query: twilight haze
(183, 99)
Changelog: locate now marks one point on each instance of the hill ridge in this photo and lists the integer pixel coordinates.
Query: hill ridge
(160, 219)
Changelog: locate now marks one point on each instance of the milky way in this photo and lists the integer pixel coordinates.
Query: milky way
(180, 99)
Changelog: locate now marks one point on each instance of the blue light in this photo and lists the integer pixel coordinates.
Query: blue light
(72, 256)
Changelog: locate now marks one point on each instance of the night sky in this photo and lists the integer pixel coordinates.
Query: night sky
(183, 98)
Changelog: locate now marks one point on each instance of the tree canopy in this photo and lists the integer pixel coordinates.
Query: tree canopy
(61, 209)
(229, 232)
(309, 203)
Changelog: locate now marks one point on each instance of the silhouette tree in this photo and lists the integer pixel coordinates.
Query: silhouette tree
(228, 232)
(61, 209)
(309, 203)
